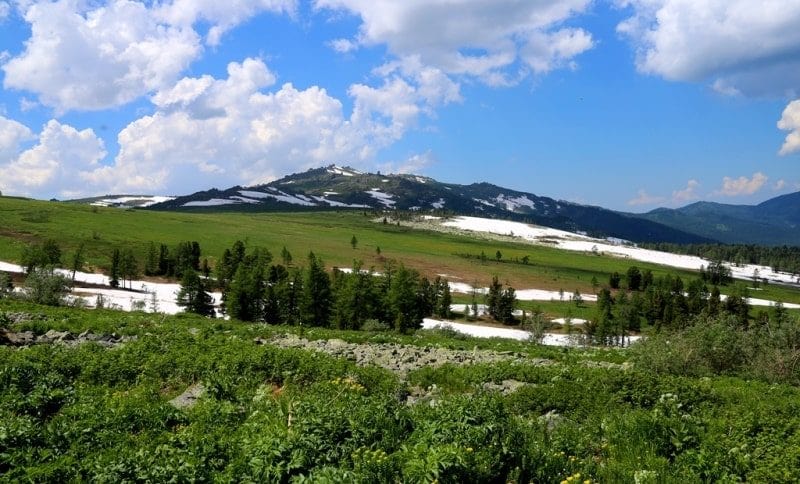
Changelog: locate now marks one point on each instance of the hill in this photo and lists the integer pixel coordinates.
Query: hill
(335, 187)
(773, 222)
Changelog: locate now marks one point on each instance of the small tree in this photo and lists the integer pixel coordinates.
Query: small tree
(6, 285)
(595, 284)
(115, 269)
(354, 242)
(526, 259)
(78, 260)
(634, 277)
(498, 255)
(193, 296)
(286, 257)
(45, 287)
(614, 280)
(577, 298)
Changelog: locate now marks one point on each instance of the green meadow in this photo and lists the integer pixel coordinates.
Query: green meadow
(328, 234)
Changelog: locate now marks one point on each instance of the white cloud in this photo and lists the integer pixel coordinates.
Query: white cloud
(97, 59)
(222, 16)
(738, 46)
(413, 165)
(89, 56)
(12, 135)
(221, 132)
(5, 9)
(732, 187)
(643, 198)
(779, 185)
(686, 194)
(488, 39)
(790, 121)
(61, 154)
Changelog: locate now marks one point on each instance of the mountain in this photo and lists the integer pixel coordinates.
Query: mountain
(773, 222)
(335, 187)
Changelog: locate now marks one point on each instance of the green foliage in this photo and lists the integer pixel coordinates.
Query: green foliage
(193, 295)
(46, 287)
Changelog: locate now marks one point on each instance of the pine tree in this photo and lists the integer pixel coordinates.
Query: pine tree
(493, 298)
(115, 272)
(315, 302)
(128, 267)
(634, 277)
(286, 257)
(354, 242)
(151, 261)
(403, 300)
(193, 296)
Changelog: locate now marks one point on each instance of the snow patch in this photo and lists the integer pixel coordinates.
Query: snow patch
(439, 204)
(132, 201)
(383, 198)
(211, 203)
(513, 203)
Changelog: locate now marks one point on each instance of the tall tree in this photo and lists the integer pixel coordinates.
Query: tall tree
(403, 300)
(78, 260)
(634, 277)
(114, 274)
(315, 303)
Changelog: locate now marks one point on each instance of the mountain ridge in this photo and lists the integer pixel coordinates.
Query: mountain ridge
(336, 187)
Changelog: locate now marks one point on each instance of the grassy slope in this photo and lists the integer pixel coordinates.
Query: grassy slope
(328, 234)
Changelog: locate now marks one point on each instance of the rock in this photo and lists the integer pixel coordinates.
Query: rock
(507, 387)
(189, 397)
(21, 339)
(551, 419)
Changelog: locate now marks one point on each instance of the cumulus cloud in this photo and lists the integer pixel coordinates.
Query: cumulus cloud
(735, 45)
(12, 135)
(790, 121)
(644, 198)
(61, 154)
(732, 187)
(413, 165)
(5, 9)
(488, 39)
(221, 132)
(222, 16)
(90, 56)
(686, 194)
(779, 185)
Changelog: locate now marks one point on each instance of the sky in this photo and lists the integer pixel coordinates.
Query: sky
(627, 104)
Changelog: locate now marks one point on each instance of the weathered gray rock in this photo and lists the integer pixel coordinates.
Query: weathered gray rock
(189, 397)
(397, 358)
(506, 387)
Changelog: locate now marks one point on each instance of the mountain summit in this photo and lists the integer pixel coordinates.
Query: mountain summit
(336, 187)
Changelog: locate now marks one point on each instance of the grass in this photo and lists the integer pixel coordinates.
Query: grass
(328, 234)
(272, 414)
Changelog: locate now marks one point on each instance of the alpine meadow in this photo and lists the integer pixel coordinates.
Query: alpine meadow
(335, 241)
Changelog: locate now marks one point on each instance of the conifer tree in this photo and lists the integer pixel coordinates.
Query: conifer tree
(115, 269)
(315, 303)
(193, 296)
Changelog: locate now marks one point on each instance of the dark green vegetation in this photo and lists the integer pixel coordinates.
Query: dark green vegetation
(782, 258)
(773, 222)
(660, 413)
(410, 192)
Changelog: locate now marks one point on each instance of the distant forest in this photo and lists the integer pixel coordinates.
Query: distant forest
(784, 258)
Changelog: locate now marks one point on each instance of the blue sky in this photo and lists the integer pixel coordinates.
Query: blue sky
(628, 104)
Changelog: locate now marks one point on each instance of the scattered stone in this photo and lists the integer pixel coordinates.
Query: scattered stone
(27, 338)
(400, 359)
(551, 419)
(506, 387)
(189, 397)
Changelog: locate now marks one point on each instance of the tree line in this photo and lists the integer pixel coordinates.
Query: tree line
(781, 258)
(257, 288)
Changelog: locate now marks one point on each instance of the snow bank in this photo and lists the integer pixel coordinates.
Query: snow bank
(550, 339)
(581, 243)
(383, 198)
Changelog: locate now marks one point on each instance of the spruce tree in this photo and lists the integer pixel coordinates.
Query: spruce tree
(315, 303)
(193, 296)
(114, 274)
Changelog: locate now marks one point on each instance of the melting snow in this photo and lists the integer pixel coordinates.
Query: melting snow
(439, 204)
(550, 339)
(384, 198)
(140, 201)
(576, 242)
(484, 202)
(211, 203)
(513, 203)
